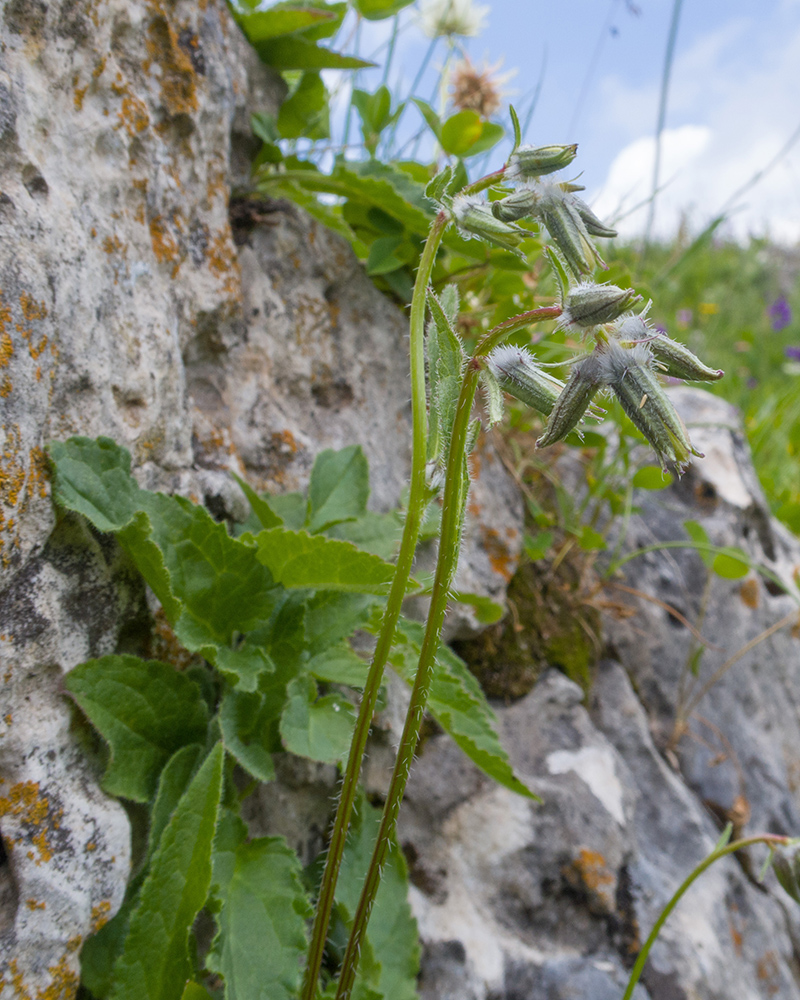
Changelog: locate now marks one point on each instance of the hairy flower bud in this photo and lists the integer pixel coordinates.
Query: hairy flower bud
(593, 225)
(678, 361)
(628, 372)
(472, 216)
(535, 161)
(582, 384)
(588, 304)
(519, 375)
(519, 205)
(567, 229)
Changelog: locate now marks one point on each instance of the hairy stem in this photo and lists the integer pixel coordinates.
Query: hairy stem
(454, 501)
(405, 558)
(771, 840)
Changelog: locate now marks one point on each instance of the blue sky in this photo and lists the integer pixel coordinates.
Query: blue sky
(734, 99)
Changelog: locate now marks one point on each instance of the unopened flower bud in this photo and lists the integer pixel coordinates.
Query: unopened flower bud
(473, 218)
(519, 375)
(628, 372)
(679, 362)
(536, 161)
(787, 871)
(516, 206)
(593, 225)
(567, 229)
(582, 384)
(588, 304)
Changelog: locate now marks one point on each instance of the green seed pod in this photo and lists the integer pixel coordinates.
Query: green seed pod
(679, 362)
(519, 375)
(593, 225)
(582, 384)
(536, 161)
(588, 304)
(473, 218)
(628, 373)
(516, 206)
(567, 229)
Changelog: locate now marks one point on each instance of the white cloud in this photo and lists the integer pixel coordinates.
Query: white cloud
(733, 105)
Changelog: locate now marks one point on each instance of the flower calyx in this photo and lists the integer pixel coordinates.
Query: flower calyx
(474, 219)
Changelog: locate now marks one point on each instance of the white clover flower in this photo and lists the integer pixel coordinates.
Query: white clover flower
(452, 17)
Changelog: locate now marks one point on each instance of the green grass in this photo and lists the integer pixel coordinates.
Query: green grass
(715, 297)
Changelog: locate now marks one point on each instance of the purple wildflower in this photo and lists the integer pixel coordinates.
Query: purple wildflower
(780, 313)
(684, 317)
(661, 328)
(793, 353)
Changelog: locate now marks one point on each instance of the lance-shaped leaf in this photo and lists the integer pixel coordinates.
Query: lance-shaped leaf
(155, 962)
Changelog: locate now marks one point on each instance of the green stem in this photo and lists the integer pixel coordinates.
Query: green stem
(452, 516)
(405, 558)
(771, 840)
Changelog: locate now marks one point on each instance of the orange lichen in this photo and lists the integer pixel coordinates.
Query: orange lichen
(164, 245)
(100, 915)
(31, 309)
(500, 558)
(222, 260)
(24, 803)
(32, 904)
(6, 349)
(593, 870)
(8, 718)
(112, 244)
(177, 77)
(133, 116)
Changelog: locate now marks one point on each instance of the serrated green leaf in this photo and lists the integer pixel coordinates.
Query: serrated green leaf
(339, 487)
(461, 131)
(291, 508)
(266, 516)
(244, 666)
(375, 533)
(261, 921)
(458, 704)
(381, 258)
(155, 963)
(436, 188)
(392, 932)
(331, 616)
(247, 723)
(296, 52)
(698, 533)
(318, 728)
(172, 783)
(731, 564)
(377, 10)
(261, 25)
(305, 113)
(209, 584)
(339, 664)
(145, 710)
(297, 559)
(651, 477)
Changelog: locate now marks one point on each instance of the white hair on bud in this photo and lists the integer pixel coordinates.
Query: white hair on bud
(506, 357)
(462, 203)
(614, 361)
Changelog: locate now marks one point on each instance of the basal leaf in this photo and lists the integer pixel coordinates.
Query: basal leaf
(263, 908)
(297, 559)
(247, 721)
(194, 991)
(318, 728)
(209, 584)
(392, 932)
(698, 533)
(339, 487)
(339, 664)
(175, 778)
(458, 704)
(155, 963)
(267, 518)
(381, 258)
(332, 616)
(145, 710)
(651, 477)
(731, 564)
(376, 533)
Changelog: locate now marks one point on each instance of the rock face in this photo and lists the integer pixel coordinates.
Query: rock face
(130, 307)
(517, 900)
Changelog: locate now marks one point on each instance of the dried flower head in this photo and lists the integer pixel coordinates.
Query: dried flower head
(452, 17)
(479, 90)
